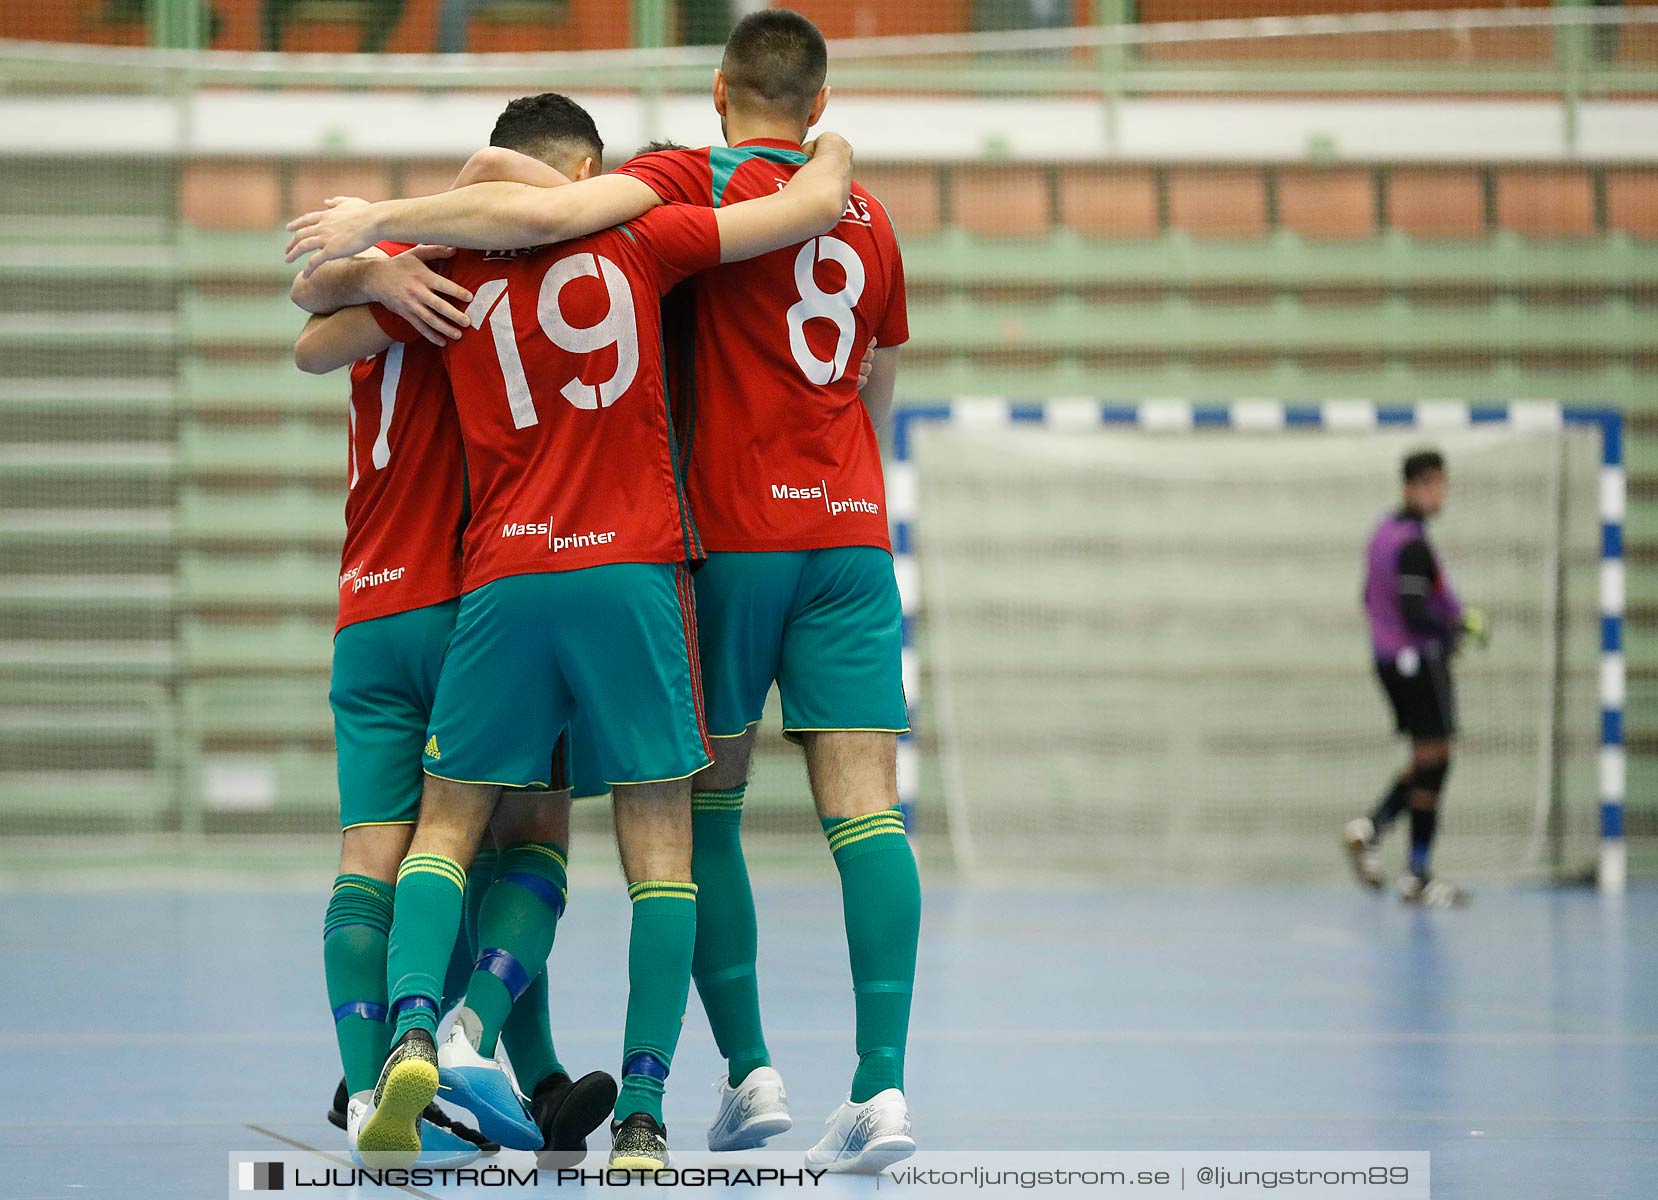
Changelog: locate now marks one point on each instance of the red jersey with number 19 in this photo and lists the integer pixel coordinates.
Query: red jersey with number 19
(782, 454)
(559, 385)
(406, 505)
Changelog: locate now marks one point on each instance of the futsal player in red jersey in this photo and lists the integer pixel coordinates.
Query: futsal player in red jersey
(400, 580)
(576, 590)
(786, 484)
(399, 585)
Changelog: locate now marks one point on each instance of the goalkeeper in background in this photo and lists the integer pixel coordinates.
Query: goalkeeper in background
(1416, 626)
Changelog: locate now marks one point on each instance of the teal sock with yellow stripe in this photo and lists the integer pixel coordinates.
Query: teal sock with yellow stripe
(881, 900)
(431, 889)
(727, 937)
(660, 948)
(516, 926)
(354, 963)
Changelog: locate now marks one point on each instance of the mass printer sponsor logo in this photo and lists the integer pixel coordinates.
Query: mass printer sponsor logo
(557, 542)
(819, 492)
(358, 579)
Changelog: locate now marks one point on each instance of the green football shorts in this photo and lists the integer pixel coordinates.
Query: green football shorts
(617, 641)
(384, 678)
(582, 760)
(384, 681)
(826, 625)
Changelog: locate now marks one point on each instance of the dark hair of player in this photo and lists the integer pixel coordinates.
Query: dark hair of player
(551, 127)
(1422, 462)
(659, 145)
(775, 60)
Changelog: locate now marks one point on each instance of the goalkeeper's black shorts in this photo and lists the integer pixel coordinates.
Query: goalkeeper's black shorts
(1423, 700)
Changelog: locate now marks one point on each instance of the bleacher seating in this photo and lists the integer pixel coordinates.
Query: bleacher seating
(174, 485)
(88, 467)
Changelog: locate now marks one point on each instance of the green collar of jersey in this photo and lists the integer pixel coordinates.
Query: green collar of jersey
(723, 161)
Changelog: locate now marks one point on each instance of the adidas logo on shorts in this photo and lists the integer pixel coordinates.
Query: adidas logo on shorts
(432, 750)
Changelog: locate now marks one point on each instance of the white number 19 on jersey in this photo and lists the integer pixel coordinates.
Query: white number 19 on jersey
(619, 328)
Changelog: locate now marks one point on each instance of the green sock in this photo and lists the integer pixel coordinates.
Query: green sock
(515, 932)
(528, 1037)
(425, 923)
(660, 947)
(881, 898)
(726, 937)
(354, 963)
(485, 868)
(466, 944)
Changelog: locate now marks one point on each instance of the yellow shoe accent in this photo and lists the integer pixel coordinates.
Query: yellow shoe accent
(392, 1132)
(637, 1162)
(432, 750)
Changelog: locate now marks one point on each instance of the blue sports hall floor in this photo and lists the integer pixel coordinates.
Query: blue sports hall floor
(160, 1024)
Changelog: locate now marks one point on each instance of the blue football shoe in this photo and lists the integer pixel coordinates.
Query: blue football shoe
(482, 1087)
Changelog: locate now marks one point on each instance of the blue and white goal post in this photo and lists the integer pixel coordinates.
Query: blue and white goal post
(1348, 416)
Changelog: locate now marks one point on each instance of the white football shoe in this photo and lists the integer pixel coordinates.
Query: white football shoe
(1360, 839)
(867, 1138)
(1431, 893)
(754, 1110)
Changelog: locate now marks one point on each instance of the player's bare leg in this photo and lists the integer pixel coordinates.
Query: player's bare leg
(753, 1104)
(854, 778)
(1430, 763)
(852, 773)
(732, 758)
(374, 850)
(653, 835)
(426, 919)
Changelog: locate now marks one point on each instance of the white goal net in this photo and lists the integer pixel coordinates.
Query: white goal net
(1147, 659)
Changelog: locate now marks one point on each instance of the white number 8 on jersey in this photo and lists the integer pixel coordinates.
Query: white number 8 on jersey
(832, 306)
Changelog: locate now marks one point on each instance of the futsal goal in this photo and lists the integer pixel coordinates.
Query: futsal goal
(1136, 645)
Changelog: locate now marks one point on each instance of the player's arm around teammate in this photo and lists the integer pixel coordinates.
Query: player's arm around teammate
(342, 329)
(405, 283)
(506, 216)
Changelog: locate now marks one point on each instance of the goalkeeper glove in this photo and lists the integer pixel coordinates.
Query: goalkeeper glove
(1476, 627)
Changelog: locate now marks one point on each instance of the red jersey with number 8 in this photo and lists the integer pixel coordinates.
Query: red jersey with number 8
(781, 452)
(570, 451)
(407, 474)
